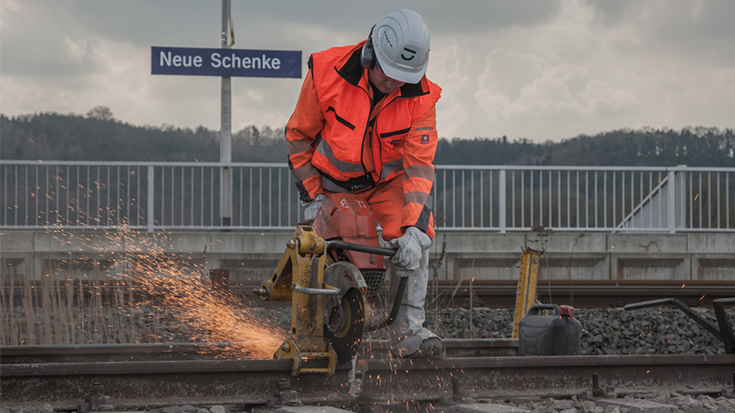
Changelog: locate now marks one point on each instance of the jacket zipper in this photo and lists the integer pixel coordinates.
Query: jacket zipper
(380, 147)
(370, 141)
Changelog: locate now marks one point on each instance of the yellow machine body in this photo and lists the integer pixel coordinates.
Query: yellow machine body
(300, 278)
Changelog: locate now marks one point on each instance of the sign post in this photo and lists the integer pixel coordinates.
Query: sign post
(225, 206)
(225, 62)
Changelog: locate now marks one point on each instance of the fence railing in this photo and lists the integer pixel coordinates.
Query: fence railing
(186, 195)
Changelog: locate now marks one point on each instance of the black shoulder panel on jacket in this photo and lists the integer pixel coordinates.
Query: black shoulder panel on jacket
(410, 90)
(352, 70)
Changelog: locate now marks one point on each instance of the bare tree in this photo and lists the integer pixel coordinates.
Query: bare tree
(100, 113)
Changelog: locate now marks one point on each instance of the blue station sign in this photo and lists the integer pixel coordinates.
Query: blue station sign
(225, 62)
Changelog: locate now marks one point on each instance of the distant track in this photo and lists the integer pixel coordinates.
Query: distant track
(578, 293)
(587, 293)
(501, 293)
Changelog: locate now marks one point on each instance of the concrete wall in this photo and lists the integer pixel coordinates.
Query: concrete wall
(253, 256)
(594, 256)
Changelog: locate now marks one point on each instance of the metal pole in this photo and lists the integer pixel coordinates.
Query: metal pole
(501, 202)
(150, 221)
(681, 196)
(671, 210)
(226, 131)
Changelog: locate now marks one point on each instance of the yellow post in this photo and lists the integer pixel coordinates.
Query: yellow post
(526, 291)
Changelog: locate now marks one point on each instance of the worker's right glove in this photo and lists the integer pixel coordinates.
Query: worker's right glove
(410, 247)
(313, 207)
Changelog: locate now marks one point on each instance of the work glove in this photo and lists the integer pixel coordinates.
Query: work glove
(313, 207)
(410, 247)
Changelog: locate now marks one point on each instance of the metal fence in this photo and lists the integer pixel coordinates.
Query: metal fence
(186, 195)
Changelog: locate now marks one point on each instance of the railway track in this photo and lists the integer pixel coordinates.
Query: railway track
(131, 376)
(580, 293)
(485, 293)
(484, 347)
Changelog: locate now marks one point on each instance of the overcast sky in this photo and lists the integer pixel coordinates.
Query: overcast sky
(536, 69)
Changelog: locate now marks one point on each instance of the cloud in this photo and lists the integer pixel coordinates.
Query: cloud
(518, 85)
(33, 44)
(571, 74)
(538, 69)
(541, 81)
(682, 28)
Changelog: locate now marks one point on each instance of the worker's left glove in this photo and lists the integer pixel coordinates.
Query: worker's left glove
(410, 247)
(313, 207)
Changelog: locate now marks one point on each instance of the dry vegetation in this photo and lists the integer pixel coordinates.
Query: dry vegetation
(131, 298)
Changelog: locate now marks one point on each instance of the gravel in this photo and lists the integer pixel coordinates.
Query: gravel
(603, 331)
(608, 331)
(659, 402)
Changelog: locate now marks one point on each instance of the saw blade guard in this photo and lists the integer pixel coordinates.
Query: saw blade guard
(344, 314)
(347, 224)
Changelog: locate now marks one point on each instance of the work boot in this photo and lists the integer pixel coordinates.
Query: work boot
(430, 348)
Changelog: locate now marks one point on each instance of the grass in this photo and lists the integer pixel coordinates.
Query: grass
(56, 309)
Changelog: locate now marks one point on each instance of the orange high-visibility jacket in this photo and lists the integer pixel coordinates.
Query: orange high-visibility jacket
(339, 140)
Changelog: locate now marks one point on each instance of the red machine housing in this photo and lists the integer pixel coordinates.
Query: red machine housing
(348, 218)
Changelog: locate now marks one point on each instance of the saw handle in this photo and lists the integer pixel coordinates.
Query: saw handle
(361, 248)
(394, 309)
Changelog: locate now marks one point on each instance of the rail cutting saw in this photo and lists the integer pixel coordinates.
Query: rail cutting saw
(331, 272)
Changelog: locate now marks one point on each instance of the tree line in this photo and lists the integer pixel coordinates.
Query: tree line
(98, 136)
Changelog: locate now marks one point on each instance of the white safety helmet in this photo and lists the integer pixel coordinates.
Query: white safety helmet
(401, 43)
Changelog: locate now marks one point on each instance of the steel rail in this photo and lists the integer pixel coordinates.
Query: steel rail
(253, 382)
(584, 293)
(131, 384)
(579, 293)
(493, 293)
(543, 376)
(62, 353)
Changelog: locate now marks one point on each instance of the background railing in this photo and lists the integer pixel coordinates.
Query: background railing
(186, 195)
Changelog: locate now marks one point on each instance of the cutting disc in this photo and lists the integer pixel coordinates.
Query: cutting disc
(344, 313)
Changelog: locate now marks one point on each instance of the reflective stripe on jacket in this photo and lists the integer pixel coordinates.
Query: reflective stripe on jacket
(339, 140)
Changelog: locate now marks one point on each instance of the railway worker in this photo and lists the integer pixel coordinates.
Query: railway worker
(365, 122)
